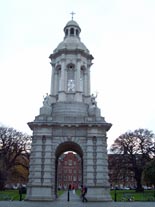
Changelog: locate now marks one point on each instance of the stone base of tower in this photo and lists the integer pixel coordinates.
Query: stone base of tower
(39, 193)
(98, 194)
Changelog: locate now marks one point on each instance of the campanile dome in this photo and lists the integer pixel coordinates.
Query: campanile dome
(72, 38)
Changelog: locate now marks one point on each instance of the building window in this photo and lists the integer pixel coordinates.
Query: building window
(70, 178)
(70, 162)
(72, 31)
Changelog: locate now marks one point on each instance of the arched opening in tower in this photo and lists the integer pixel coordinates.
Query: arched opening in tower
(68, 167)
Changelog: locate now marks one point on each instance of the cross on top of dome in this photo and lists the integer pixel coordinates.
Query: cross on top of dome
(72, 13)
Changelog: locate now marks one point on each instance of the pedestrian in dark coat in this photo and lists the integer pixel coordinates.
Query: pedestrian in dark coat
(84, 192)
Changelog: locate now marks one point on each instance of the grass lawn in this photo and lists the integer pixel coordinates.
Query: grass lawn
(14, 195)
(60, 192)
(131, 195)
(78, 192)
(121, 195)
(10, 195)
(126, 195)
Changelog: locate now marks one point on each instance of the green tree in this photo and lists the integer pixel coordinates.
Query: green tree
(149, 173)
(14, 148)
(137, 148)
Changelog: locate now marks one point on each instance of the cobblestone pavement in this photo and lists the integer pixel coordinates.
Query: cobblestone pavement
(74, 202)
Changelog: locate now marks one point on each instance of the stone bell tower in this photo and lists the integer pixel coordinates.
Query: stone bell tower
(69, 120)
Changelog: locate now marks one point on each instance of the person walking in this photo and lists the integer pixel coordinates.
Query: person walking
(84, 192)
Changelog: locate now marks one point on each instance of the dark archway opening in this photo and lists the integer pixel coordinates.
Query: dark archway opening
(68, 166)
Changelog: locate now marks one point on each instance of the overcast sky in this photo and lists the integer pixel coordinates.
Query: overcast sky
(120, 34)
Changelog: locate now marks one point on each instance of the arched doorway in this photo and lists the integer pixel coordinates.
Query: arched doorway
(62, 148)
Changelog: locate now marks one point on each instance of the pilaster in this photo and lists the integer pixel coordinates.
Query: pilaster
(53, 83)
(97, 167)
(78, 75)
(41, 185)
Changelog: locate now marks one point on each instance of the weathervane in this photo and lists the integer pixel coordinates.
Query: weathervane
(72, 13)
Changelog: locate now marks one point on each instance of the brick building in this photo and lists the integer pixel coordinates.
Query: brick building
(120, 173)
(69, 170)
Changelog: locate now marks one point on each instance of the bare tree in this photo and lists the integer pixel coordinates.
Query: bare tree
(137, 148)
(14, 146)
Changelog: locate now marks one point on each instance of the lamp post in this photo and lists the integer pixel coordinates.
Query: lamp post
(68, 196)
(115, 198)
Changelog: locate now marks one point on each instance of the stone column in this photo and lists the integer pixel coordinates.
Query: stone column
(78, 94)
(62, 76)
(65, 78)
(56, 81)
(88, 81)
(53, 91)
(78, 66)
(62, 96)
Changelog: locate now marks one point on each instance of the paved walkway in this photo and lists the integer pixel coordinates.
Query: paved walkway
(74, 202)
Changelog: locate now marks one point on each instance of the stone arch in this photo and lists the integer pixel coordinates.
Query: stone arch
(63, 147)
(68, 146)
(64, 140)
(72, 31)
(58, 67)
(70, 66)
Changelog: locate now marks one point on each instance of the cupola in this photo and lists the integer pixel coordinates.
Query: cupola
(72, 29)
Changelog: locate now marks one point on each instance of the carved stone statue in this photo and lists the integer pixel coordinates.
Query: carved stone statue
(93, 100)
(47, 100)
(71, 85)
(46, 109)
